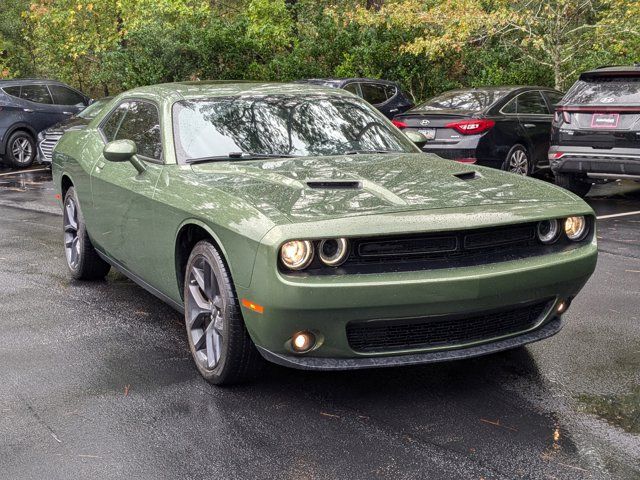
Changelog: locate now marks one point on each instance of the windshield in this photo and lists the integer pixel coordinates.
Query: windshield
(93, 110)
(463, 100)
(605, 91)
(288, 125)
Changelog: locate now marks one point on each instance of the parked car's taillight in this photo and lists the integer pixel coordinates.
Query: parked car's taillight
(399, 124)
(471, 127)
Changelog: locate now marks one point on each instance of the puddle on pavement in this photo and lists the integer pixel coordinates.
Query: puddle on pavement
(620, 410)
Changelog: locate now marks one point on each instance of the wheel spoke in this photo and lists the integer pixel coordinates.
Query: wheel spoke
(199, 341)
(198, 276)
(212, 346)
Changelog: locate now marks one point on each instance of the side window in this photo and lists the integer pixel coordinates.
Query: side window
(110, 127)
(390, 91)
(36, 94)
(532, 103)
(374, 94)
(65, 96)
(554, 98)
(13, 91)
(510, 107)
(142, 125)
(353, 88)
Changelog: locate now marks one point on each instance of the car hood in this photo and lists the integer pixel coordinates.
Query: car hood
(73, 123)
(310, 188)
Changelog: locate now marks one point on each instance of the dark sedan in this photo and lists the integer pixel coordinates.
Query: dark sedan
(387, 96)
(500, 127)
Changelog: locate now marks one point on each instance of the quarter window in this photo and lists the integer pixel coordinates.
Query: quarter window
(66, 96)
(532, 103)
(111, 126)
(374, 94)
(36, 94)
(13, 91)
(142, 125)
(510, 107)
(554, 98)
(353, 88)
(390, 91)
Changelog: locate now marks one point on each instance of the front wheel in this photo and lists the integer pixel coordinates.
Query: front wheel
(573, 184)
(218, 339)
(518, 161)
(82, 259)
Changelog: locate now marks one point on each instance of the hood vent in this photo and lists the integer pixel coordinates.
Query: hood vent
(467, 175)
(335, 184)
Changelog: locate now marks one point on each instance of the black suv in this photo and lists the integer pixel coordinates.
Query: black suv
(26, 108)
(385, 95)
(595, 135)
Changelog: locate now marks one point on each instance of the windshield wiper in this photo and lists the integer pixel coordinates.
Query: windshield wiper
(239, 156)
(364, 152)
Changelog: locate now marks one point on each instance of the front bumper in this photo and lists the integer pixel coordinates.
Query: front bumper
(327, 304)
(587, 162)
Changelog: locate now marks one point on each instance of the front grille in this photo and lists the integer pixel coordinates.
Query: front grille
(47, 146)
(430, 251)
(442, 331)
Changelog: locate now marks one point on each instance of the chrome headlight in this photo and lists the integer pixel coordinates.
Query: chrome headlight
(334, 251)
(296, 254)
(575, 228)
(548, 231)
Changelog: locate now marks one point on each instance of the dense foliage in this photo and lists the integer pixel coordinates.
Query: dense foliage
(105, 46)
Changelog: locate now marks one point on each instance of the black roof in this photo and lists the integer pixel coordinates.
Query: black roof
(28, 81)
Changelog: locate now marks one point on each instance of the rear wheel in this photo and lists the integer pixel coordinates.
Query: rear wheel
(82, 259)
(518, 161)
(21, 150)
(218, 339)
(574, 184)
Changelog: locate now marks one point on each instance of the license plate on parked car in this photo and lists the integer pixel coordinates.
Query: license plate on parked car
(429, 133)
(605, 120)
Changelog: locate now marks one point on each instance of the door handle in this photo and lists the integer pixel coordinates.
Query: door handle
(393, 110)
(27, 110)
(529, 125)
(68, 113)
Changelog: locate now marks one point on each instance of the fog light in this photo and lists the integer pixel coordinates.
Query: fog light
(562, 307)
(303, 341)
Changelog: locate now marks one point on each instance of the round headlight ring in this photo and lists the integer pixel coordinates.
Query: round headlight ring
(548, 231)
(576, 228)
(334, 251)
(296, 254)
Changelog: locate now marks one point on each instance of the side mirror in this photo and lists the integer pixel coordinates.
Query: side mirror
(123, 151)
(416, 137)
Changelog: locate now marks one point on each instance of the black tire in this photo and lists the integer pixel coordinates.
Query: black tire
(21, 150)
(82, 259)
(573, 184)
(218, 339)
(518, 161)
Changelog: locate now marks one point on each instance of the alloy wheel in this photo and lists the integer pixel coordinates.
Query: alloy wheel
(519, 162)
(205, 314)
(22, 150)
(71, 237)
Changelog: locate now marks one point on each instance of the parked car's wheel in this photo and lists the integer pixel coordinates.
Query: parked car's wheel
(518, 161)
(82, 259)
(218, 339)
(573, 184)
(21, 150)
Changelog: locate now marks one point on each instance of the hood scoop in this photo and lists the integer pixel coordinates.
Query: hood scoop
(335, 184)
(467, 175)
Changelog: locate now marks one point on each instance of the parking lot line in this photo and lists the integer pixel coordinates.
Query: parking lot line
(24, 171)
(614, 215)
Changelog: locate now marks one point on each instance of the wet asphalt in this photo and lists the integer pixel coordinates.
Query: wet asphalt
(96, 381)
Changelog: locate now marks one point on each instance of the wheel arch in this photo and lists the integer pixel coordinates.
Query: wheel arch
(25, 127)
(65, 184)
(189, 233)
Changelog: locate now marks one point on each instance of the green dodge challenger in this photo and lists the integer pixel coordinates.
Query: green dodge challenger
(296, 224)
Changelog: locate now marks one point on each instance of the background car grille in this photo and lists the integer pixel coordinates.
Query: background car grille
(428, 251)
(442, 331)
(47, 146)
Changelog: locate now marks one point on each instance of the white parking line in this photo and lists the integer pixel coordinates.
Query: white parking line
(23, 171)
(614, 215)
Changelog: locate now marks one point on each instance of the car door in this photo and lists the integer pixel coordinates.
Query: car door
(68, 101)
(38, 107)
(535, 118)
(123, 207)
